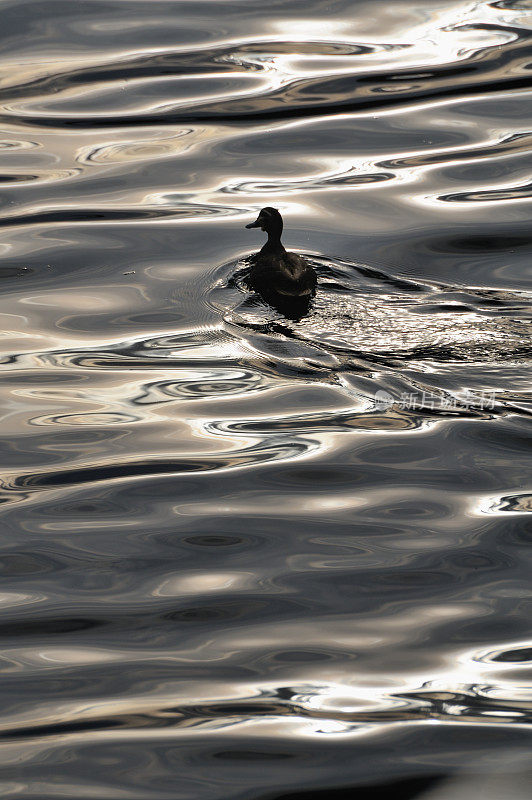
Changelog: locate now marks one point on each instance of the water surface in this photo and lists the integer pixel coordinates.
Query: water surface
(245, 555)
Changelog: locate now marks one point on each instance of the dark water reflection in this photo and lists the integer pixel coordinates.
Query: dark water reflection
(248, 554)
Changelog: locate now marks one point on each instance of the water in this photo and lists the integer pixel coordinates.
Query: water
(245, 555)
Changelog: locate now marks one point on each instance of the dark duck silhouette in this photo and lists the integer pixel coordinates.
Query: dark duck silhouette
(285, 280)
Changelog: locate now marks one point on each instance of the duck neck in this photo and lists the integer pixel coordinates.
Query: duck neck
(274, 243)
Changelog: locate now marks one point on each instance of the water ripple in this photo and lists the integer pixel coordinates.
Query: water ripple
(234, 535)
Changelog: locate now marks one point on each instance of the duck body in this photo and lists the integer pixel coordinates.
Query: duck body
(286, 274)
(275, 273)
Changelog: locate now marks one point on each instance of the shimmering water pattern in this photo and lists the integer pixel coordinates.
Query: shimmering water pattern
(248, 555)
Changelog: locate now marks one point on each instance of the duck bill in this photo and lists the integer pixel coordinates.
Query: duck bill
(256, 224)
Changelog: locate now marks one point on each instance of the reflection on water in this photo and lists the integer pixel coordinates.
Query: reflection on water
(221, 550)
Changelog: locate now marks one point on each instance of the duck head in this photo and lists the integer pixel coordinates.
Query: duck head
(270, 221)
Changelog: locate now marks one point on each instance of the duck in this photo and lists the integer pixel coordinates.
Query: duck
(278, 276)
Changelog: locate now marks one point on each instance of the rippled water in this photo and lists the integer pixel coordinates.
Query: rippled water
(245, 555)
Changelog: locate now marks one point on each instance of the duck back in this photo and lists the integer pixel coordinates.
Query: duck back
(282, 273)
